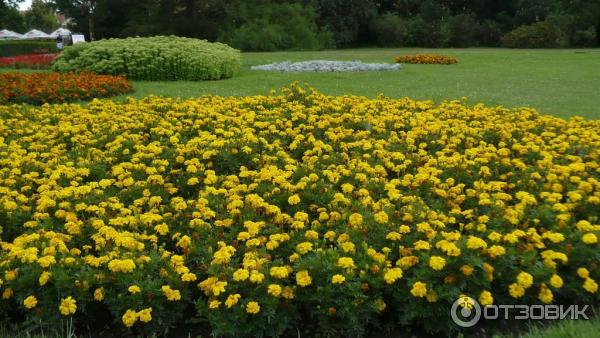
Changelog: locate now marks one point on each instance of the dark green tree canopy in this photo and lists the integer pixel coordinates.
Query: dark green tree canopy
(267, 24)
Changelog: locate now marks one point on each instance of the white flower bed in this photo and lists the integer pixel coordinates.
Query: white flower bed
(327, 66)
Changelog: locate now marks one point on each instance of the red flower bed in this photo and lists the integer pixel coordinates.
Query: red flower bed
(36, 61)
(39, 88)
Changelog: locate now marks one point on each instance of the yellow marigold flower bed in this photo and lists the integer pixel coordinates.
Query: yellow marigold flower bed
(427, 59)
(296, 209)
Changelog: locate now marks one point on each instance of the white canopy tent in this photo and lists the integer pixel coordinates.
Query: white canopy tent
(6, 34)
(60, 31)
(36, 34)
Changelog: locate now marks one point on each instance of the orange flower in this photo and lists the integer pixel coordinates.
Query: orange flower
(39, 88)
(426, 59)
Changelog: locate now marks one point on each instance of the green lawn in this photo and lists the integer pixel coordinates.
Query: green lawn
(559, 82)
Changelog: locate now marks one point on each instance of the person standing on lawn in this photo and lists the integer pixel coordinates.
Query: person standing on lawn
(59, 42)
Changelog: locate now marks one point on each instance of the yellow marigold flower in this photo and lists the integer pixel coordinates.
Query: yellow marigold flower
(486, 298)
(407, 261)
(256, 277)
(46, 261)
(303, 278)
(348, 247)
(583, 273)
(7, 293)
(495, 237)
(422, 245)
(214, 304)
(145, 315)
(304, 247)
(184, 242)
(30, 302)
(121, 265)
(404, 229)
(223, 255)
(437, 263)
(162, 229)
(347, 188)
(44, 277)
(274, 290)
(419, 289)
(232, 300)
(381, 217)
(311, 234)
(188, 277)
(476, 243)
(241, 275)
(589, 239)
(130, 318)
(393, 236)
(355, 220)
(67, 306)
(294, 199)
(496, 250)
(346, 263)
(219, 287)
(545, 294)
(556, 281)
(288, 292)
(525, 279)
(516, 290)
(590, 285)
(467, 270)
(392, 275)
(431, 296)
(98, 295)
(133, 289)
(252, 307)
(172, 295)
(279, 272)
(338, 279)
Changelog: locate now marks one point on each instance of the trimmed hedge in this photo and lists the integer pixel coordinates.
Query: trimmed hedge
(20, 47)
(152, 58)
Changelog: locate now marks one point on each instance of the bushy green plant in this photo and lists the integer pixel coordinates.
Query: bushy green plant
(538, 35)
(20, 47)
(152, 58)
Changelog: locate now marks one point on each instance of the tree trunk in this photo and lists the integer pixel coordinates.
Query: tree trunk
(91, 26)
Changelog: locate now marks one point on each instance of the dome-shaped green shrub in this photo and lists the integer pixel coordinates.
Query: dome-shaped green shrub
(152, 58)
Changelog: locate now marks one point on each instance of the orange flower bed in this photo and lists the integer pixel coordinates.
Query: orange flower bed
(39, 88)
(427, 59)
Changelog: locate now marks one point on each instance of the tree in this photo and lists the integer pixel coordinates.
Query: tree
(10, 17)
(348, 20)
(41, 16)
(83, 12)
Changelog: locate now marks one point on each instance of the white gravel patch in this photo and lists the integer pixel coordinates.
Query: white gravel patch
(327, 66)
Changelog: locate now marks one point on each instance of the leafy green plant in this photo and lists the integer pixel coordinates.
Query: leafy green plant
(152, 58)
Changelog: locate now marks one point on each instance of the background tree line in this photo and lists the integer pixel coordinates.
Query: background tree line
(315, 24)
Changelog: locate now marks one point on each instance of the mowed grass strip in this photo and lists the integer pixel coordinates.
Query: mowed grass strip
(563, 82)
